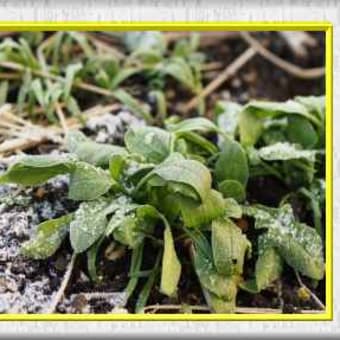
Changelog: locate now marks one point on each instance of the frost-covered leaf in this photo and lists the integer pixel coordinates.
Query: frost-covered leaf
(32, 170)
(187, 177)
(284, 152)
(298, 244)
(145, 41)
(150, 142)
(268, 268)
(302, 250)
(233, 189)
(232, 163)
(256, 113)
(131, 229)
(224, 287)
(90, 151)
(171, 267)
(227, 116)
(88, 182)
(314, 104)
(232, 208)
(48, 239)
(229, 247)
(195, 214)
(88, 225)
(272, 109)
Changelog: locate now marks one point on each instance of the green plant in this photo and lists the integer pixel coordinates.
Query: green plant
(166, 186)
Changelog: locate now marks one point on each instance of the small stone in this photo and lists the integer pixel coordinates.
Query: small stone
(79, 303)
(7, 284)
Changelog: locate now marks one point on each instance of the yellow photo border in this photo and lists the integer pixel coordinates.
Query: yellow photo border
(210, 26)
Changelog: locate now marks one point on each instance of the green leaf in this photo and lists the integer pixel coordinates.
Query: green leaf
(150, 142)
(90, 151)
(38, 91)
(232, 208)
(268, 268)
(88, 182)
(146, 290)
(227, 116)
(117, 166)
(141, 110)
(284, 152)
(266, 109)
(222, 286)
(232, 163)
(133, 227)
(122, 75)
(314, 104)
(255, 113)
(144, 41)
(188, 177)
(32, 170)
(50, 235)
(298, 244)
(71, 71)
(171, 267)
(301, 131)
(193, 124)
(195, 140)
(88, 225)
(195, 214)
(232, 189)
(302, 250)
(250, 128)
(222, 306)
(180, 70)
(229, 247)
(92, 258)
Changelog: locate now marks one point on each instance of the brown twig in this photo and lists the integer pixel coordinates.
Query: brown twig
(290, 68)
(61, 116)
(229, 71)
(80, 85)
(60, 293)
(207, 38)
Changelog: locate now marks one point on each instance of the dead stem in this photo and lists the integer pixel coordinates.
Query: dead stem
(290, 68)
(61, 116)
(302, 285)
(60, 293)
(229, 71)
(207, 38)
(239, 310)
(80, 85)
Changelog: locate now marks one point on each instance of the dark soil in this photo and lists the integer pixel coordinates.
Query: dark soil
(28, 286)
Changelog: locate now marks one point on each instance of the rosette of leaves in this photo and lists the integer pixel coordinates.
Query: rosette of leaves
(125, 195)
(163, 186)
